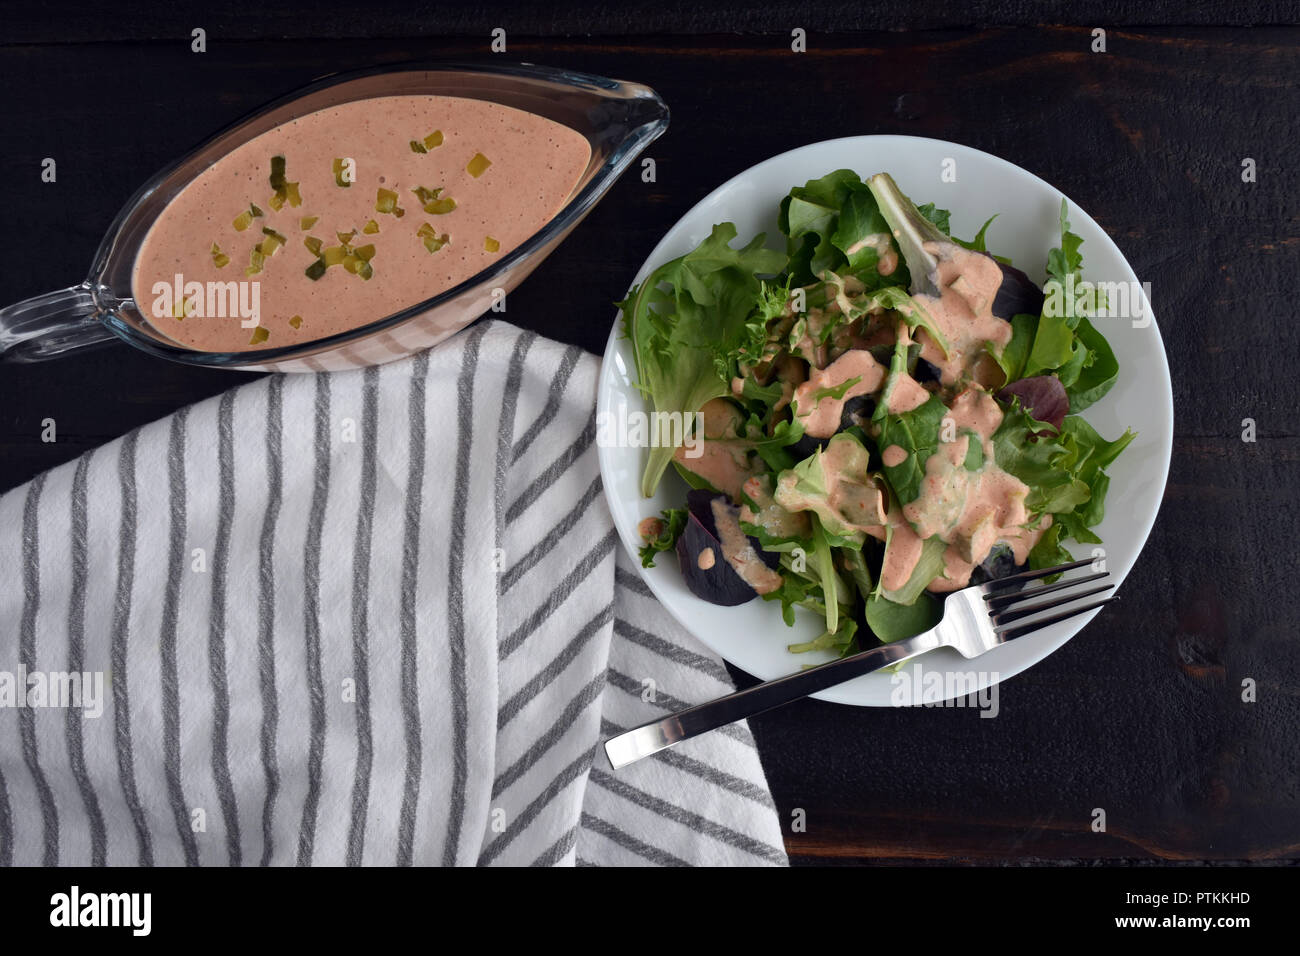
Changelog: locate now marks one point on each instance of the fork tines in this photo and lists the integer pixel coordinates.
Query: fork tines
(1066, 592)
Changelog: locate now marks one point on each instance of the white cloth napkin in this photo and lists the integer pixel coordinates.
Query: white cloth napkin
(372, 617)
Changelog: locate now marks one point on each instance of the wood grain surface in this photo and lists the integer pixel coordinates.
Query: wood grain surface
(1142, 715)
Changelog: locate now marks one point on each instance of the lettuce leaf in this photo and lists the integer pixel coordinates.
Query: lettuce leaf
(916, 432)
(687, 323)
(1065, 342)
(1065, 472)
(841, 641)
(825, 218)
(806, 488)
(928, 567)
(1098, 375)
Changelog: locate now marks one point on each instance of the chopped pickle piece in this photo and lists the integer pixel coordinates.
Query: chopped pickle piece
(296, 321)
(386, 202)
(430, 201)
(295, 197)
(433, 140)
(277, 173)
(219, 258)
(432, 241)
(313, 245)
(366, 252)
(333, 255)
(316, 270)
(182, 309)
(306, 222)
(276, 201)
(478, 165)
(366, 270)
(491, 245)
(243, 221)
(340, 179)
(370, 228)
(351, 263)
(272, 242)
(346, 237)
(260, 334)
(417, 146)
(252, 207)
(255, 261)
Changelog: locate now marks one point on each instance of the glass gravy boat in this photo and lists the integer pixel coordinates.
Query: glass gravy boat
(618, 119)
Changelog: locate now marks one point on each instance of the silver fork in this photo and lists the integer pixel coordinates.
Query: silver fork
(975, 620)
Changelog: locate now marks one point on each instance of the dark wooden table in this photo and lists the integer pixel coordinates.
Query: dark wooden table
(1142, 716)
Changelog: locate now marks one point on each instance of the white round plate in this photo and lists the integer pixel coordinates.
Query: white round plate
(752, 636)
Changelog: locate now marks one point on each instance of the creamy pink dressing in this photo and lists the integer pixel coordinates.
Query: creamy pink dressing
(723, 461)
(963, 313)
(902, 554)
(957, 570)
(739, 552)
(882, 242)
(893, 456)
(821, 415)
(791, 374)
(971, 510)
(535, 164)
(770, 516)
(975, 409)
(851, 495)
(906, 394)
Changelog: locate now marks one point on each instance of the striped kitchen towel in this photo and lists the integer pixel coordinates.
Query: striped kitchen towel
(372, 617)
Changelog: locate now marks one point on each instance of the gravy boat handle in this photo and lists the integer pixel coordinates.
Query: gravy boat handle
(52, 324)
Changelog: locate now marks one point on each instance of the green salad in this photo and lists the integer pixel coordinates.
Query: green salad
(878, 415)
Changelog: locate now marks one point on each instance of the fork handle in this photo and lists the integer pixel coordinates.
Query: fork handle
(661, 734)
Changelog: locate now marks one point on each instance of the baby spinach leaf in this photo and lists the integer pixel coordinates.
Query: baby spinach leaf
(917, 433)
(1048, 552)
(891, 621)
(1097, 378)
